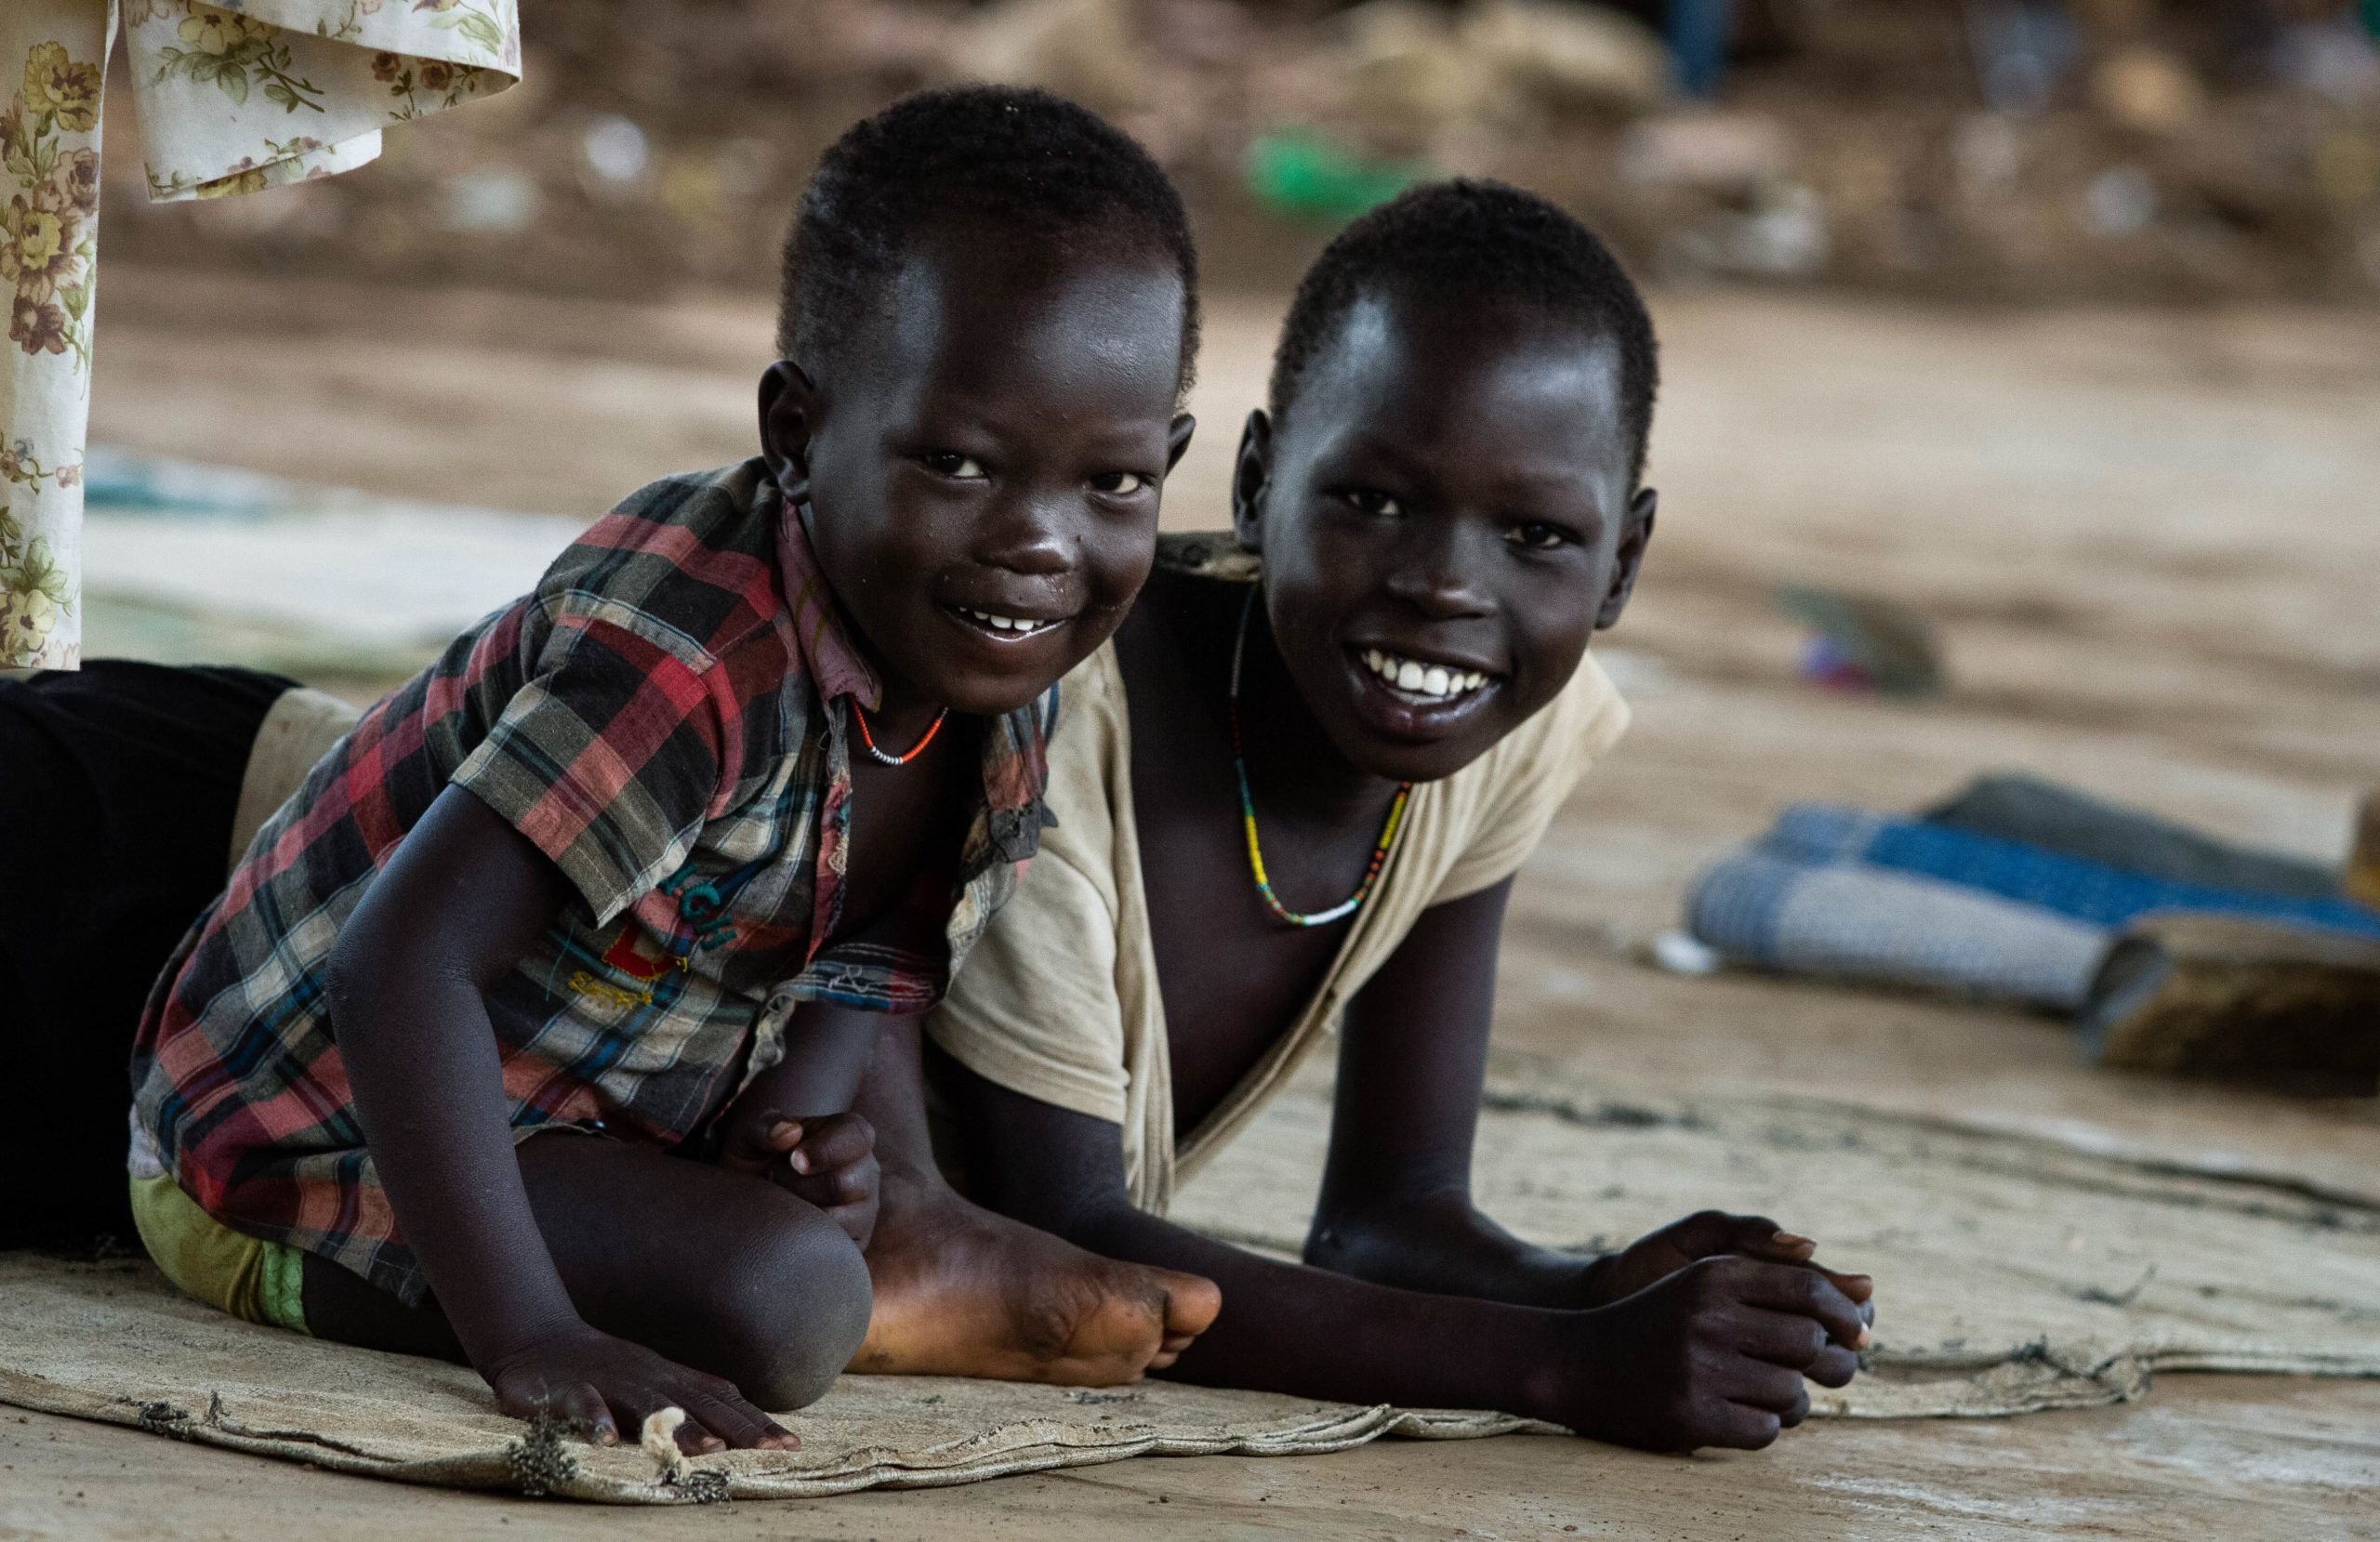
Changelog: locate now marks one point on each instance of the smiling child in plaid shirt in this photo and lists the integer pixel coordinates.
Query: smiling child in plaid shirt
(635, 868)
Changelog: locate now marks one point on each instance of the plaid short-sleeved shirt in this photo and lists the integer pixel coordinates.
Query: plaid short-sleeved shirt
(665, 718)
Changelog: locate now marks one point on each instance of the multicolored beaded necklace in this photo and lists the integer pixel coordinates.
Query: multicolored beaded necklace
(1352, 902)
(915, 750)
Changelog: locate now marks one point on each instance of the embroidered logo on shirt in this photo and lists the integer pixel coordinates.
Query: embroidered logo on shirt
(604, 994)
(703, 906)
(640, 957)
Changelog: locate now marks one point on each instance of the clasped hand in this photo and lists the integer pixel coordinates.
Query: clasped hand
(1713, 1323)
(827, 1159)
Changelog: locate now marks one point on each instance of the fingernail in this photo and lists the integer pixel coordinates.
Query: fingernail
(1788, 1239)
(784, 1129)
(1861, 1343)
(798, 1161)
(606, 1435)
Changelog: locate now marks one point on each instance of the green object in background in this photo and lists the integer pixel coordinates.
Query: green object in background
(1299, 172)
(2371, 16)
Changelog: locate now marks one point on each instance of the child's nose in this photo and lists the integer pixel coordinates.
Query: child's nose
(1440, 588)
(1437, 569)
(1031, 534)
(1440, 594)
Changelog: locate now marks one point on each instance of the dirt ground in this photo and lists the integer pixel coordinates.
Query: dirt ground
(2150, 540)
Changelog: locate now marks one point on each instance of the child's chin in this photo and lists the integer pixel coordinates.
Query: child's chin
(1434, 762)
(1401, 759)
(972, 694)
(983, 677)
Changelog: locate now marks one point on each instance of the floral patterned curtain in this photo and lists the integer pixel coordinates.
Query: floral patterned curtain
(231, 98)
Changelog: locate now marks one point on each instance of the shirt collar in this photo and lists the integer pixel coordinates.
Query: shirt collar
(826, 648)
(1016, 764)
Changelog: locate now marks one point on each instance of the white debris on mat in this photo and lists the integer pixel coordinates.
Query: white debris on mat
(660, 1442)
(1679, 952)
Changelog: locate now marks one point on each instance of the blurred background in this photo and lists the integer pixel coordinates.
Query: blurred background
(1966, 149)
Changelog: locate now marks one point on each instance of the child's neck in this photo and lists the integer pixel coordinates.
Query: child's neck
(1294, 771)
(902, 714)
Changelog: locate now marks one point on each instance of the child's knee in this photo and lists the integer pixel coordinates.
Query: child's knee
(795, 1311)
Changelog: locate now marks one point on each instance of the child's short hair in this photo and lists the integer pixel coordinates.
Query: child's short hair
(989, 154)
(1487, 241)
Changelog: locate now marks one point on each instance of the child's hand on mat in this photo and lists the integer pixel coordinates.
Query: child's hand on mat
(603, 1385)
(828, 1160)
(1713, 1355)
(1705, 1234)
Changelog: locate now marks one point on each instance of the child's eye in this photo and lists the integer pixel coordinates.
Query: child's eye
(1118, 483)
(950, 463)
(1539, 537)
(1366, 500)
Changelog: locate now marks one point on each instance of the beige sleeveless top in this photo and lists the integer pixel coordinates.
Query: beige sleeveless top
(1060, 1000)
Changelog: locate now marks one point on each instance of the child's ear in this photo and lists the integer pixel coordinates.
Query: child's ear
(1250, 475)
(1633, 536)
(788, 415)
(1177, 439)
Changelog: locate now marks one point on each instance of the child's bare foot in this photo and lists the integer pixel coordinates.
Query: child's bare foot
(960, 1291)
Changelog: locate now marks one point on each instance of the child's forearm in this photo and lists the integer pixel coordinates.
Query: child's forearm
(893, 1098)
(828, 1050)
(429, 1090)
(460, 901)
(1291, 1328)
(1446, 1247)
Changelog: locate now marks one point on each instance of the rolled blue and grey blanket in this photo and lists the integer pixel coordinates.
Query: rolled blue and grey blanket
(1856, 921)
(1825, 835)
(1942, 905)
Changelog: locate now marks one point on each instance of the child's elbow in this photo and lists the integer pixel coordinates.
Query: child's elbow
(350, 977)
(367, 970)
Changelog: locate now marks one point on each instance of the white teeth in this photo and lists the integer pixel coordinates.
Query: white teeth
(1422, 679)
(1008, 623)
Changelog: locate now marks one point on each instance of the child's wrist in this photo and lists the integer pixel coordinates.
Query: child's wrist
(1521, 1360)
(512, 1324)
(493, 1346)
(1543, 1369)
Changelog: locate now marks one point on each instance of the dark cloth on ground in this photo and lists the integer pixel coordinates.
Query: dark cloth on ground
(1821, 833)
(2034, 812)
(118, 785)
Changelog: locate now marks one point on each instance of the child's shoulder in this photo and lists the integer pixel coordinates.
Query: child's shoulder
(1547, 754)
(1476, 827)
(1577, 726)
(690, 559)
